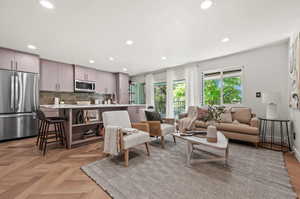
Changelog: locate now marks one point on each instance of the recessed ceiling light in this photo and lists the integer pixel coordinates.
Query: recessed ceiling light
(124, 69)
(32, 47)
(226, 39)
(46, 4)
(163, 58)
(129, 42)
(111, 59)
(206, 4)
(92, 61)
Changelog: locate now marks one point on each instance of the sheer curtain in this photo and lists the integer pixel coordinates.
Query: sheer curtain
(170, 105)
(193, 86)
(149, 90)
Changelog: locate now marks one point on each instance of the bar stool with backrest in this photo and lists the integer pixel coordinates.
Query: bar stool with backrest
(45, 136)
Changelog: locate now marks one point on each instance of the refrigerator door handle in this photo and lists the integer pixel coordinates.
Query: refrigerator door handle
(12, 92)
(19, 92)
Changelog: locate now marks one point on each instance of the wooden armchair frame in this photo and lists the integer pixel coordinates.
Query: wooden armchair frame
(139, 126)
(155, 129)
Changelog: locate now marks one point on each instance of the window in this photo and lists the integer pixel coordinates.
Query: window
(136, 93)
(160, 96)
(179, 97)
(222, 87)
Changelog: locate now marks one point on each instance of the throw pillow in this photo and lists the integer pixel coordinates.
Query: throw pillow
(226, 117)
(153, 116)
(241, 114)
(235, 122)
(202, 113)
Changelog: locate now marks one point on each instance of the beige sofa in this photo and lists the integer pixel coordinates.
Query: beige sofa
(244, 125)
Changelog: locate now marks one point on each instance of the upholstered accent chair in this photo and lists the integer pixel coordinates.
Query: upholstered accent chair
(160, 128)
(121, 119)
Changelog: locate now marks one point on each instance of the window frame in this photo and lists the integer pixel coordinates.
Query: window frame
(221, 77)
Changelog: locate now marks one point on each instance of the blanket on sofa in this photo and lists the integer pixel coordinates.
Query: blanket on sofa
(188, 122)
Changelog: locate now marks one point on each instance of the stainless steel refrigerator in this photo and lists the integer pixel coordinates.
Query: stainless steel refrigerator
(19, 100)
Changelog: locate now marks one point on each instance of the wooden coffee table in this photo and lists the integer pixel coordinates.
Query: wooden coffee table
(192, 141)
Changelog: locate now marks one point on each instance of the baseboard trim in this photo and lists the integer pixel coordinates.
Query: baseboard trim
(297, 153)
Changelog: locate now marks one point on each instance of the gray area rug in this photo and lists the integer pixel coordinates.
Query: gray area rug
(251, 173)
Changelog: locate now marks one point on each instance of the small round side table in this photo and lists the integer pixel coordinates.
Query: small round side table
(274, 134)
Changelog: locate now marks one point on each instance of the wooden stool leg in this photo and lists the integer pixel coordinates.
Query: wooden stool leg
(42, 138)
(162, 142)
(126, 156)
(46, 140)
(147, 148)
(64, 134)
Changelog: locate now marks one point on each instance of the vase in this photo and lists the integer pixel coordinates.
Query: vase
(212, 134)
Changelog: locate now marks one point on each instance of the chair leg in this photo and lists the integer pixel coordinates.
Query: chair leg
(46, 140)
(147, 148)
(162, 142)
(126, 157)
(174, 139)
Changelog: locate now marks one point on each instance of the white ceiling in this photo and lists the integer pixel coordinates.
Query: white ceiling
(79, 30)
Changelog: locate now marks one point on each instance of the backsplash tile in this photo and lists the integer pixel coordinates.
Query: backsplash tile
(69, 98)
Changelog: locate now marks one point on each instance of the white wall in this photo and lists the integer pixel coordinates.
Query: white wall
(265, 70)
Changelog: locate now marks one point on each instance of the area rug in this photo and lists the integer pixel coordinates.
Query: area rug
(251, 173)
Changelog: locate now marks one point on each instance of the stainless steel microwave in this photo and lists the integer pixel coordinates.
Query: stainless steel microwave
(85, 86)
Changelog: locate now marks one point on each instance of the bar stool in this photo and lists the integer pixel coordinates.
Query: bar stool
(45, 136)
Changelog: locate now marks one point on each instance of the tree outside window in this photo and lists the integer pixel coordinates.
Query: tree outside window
(222, 87)
(160, 96)
(179, 97)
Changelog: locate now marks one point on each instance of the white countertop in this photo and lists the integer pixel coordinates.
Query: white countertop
(76, 106)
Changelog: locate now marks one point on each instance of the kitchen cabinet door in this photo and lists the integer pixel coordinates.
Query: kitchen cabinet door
(6, 59)
(65, 80)
(105, 82)
(91, 74)
(80, 73)
(49, 76)
(27, 62)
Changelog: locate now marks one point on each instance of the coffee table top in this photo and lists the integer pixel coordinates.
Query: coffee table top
(221, 144)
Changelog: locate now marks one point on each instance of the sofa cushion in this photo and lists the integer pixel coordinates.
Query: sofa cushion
(238, 128)
(241, 114)
(136, 139)
(201, 124)
(226, 117)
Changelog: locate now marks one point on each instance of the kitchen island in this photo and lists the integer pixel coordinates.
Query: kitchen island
(76, 131)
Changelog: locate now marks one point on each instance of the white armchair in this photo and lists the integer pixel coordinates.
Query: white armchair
(121, 119)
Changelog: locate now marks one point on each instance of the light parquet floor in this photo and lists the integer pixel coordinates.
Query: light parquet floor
(26, 174)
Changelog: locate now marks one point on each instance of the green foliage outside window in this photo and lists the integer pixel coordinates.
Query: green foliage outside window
(232, 91)
(179, 97)
(160, 97)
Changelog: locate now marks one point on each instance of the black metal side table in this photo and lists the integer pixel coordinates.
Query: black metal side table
(274, 134)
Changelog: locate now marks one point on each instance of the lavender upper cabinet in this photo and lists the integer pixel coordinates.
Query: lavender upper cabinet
(49, 76)
(13, 60)
(6, 59)
(66, 77)
(106, 82)
(84, 73)
(122, 88)
(27, 62)
(56, 76)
